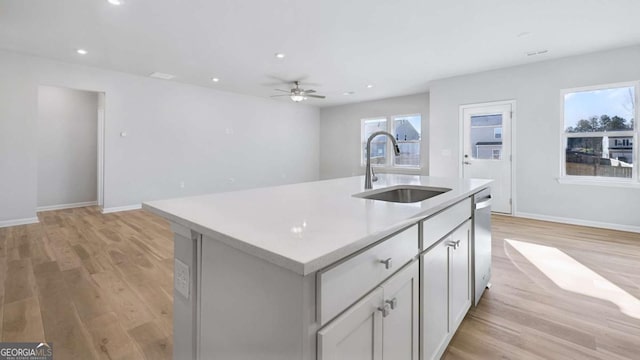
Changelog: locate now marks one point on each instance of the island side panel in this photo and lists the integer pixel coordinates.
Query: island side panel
(253, 309)
(185, 312)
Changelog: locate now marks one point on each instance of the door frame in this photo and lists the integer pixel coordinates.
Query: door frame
(511, 134)
(102, 96)
(101, 127)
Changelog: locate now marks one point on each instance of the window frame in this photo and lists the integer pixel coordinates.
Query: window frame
(634, 181)
(390, 164)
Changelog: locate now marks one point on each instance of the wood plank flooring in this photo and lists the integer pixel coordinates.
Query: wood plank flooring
(543, 311)
(100, 287)
(97, 286)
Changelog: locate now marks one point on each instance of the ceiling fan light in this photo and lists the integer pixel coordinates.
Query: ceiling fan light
(297, 98)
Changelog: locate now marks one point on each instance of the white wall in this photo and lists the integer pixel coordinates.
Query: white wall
(536, 88)
(340, 132)
(67, 146)
(211, 140)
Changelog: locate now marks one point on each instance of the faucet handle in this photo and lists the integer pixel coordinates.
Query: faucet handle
(374, 178)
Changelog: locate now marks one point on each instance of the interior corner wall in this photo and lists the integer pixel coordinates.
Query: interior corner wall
(209, 140)
(340, 132)
(536, 89)
(67, 146)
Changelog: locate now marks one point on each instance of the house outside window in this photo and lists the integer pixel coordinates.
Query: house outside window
(407, 129)
(599, 133)
(486, 137)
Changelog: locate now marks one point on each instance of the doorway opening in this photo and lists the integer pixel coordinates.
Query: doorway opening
(70, 148)
(486, 147)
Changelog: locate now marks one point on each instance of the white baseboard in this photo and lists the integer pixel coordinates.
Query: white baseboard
(597, 224)
(121, 208)
(16, 222)
(66, 206)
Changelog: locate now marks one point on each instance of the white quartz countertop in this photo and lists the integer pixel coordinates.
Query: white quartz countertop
(307, 226)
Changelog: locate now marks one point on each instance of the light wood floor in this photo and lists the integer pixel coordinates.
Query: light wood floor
(100, 286)
(529, 315)
(97, 286)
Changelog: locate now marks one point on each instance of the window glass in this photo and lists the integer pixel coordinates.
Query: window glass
(599, 131)
(378, 144)
(408, 132)
(599, 110)
(486, 137)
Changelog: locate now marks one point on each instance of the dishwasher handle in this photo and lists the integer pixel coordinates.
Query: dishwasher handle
(486, 202)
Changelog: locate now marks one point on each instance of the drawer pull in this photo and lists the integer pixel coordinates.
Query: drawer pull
(385, 310)
(387, 263)
(393, 303)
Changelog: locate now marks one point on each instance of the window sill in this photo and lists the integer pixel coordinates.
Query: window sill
(599, 182)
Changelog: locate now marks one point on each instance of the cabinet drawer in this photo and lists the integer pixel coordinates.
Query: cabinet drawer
(440, 224)
(342, 284)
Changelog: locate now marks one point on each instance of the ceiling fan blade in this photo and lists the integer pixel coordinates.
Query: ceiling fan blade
(316, 96)
(287, 91)
(309, 91)
(279, 80)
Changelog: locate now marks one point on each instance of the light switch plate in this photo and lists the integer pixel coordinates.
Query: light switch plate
(181, 278)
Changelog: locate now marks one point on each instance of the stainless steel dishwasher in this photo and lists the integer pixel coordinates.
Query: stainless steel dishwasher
(481, 242)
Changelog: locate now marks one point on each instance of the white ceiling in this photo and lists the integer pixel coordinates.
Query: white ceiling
(340, 45)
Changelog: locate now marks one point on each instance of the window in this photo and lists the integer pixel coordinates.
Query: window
(598, 133)
(407, 129)
(379, 144)
(486, 137)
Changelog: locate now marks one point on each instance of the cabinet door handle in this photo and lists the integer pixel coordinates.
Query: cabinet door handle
(393, 303)
(388, 263)
(385, 310)
(453, 244)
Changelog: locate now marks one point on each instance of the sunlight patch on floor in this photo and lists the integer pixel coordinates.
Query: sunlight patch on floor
(571, 275)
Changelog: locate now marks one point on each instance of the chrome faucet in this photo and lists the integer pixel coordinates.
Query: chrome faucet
(369, 170)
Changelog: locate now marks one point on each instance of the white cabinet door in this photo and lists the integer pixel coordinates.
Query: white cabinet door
(460, 274)
(400, 326)
(356, 334)
(435, 300)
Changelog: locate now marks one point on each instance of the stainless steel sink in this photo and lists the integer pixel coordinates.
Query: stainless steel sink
(403, 193)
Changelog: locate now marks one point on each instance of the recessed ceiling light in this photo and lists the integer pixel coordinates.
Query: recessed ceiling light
(115, 2)
(215, 79)
(163, 76)
(369, 86)
(82, 51)
(348, 93)
(280, 55)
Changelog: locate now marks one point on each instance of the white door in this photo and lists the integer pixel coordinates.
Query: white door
(356, 334)
(400, 326)
(486, 150)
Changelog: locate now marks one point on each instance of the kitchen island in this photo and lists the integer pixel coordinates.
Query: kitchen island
(306, 271)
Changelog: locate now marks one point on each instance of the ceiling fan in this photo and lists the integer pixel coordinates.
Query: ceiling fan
(297, 94)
